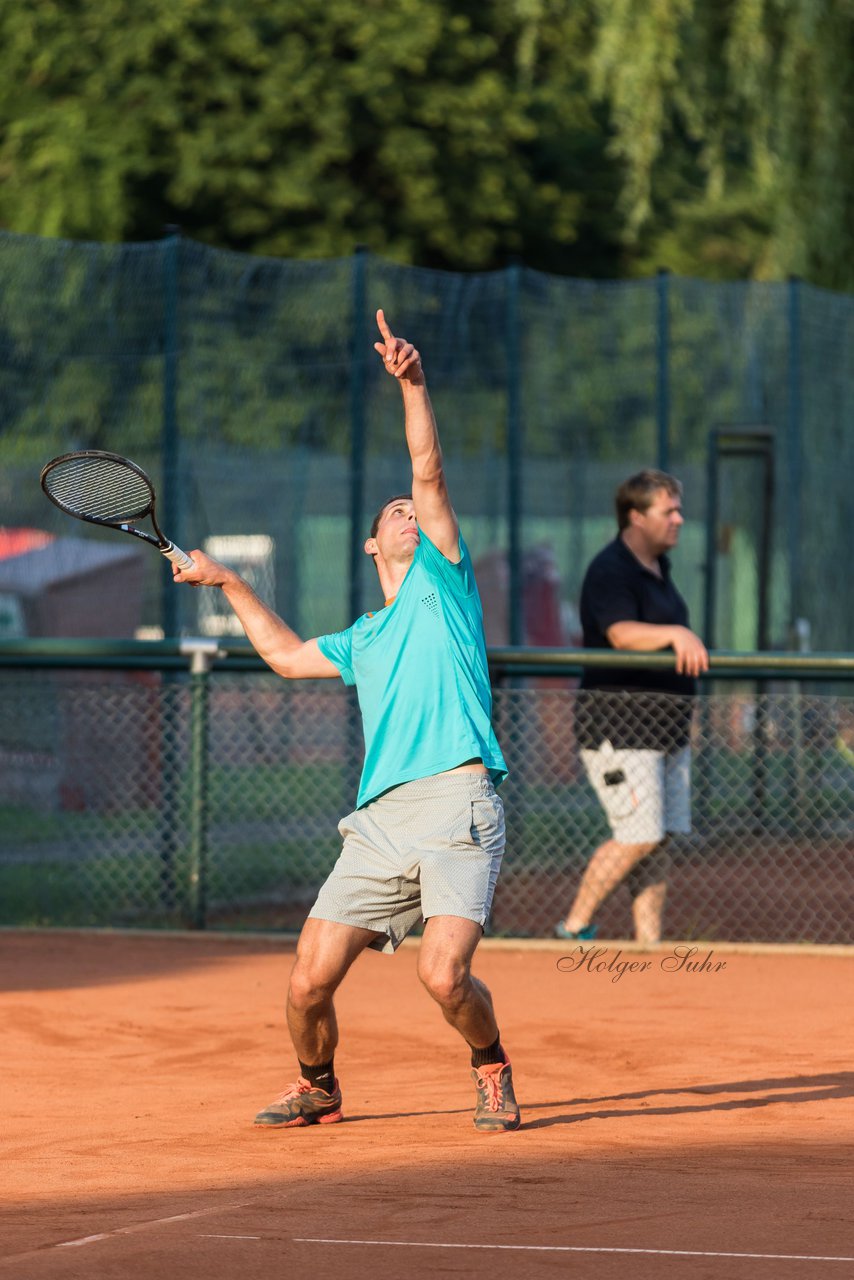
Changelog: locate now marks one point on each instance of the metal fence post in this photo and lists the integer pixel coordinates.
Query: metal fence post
(358, 369)
(515, 821)
(711, 576)
(793, 503)
(663, 368)
(515, 446)
(169, 603)
(793, 448)
(357, 429)
(170, 513)
(201, 653)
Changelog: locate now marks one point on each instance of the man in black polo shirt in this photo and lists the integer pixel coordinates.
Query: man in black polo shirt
(633, 726)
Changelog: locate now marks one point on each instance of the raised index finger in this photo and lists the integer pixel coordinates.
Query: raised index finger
(383, 327)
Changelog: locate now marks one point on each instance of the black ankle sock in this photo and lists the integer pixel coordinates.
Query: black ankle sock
(485, 1057)
(320, 1077)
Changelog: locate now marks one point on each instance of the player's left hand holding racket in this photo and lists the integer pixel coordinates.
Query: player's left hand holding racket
(107, 489)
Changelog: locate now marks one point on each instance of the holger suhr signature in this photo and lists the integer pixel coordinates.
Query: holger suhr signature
(682, 959)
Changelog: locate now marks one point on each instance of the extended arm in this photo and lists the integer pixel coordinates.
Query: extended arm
(433, 509)
(648, 637)
(280, 648)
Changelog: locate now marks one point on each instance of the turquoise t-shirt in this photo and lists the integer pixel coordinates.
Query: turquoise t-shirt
(419, 667)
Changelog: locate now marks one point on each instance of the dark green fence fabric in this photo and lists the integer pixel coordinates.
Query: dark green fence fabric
(250, 389)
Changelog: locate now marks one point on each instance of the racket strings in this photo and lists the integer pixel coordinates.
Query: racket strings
(100, 489)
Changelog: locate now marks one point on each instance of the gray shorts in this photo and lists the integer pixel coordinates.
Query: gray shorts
(427, 848)
(646, 795)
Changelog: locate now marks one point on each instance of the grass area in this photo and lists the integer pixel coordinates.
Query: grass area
(23, 827)
(138, 888)
(101, 892)
(251, 869)
(251, 792)
(271, 790)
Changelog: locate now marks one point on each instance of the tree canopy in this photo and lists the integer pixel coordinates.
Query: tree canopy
(737, 116)
(588, 137)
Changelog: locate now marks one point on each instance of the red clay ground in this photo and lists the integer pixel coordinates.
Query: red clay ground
(675, 1123)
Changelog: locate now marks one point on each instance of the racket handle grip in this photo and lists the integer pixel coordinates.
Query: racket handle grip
(177, 556)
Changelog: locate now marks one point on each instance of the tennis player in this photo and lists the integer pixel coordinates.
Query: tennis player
(427, 836)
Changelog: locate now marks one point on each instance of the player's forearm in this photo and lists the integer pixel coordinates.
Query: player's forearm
(272, 639)
(422, 434)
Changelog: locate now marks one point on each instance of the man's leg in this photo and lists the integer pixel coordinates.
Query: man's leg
(647, 883)
(325, 952)
(608, 867)
(648, 912)
(630, 786)
(444, 967)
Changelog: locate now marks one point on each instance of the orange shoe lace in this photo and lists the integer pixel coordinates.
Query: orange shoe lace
(293, 1091)
(490, 1081)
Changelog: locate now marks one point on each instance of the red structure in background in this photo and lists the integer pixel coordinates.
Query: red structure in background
(70, 587)
(15, 542)
(545, 626)
(541, 599)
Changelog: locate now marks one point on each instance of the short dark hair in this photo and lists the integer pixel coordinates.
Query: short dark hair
(638, 492)
(397, 497)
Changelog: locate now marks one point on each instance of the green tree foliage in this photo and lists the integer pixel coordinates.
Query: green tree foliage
(588, 137)
(755, 100)
(434, 131)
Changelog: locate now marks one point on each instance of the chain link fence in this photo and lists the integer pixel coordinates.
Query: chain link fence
(153, 799)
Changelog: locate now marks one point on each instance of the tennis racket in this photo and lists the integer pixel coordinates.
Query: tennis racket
(105, 488)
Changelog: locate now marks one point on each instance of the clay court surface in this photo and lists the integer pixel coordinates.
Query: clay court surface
(675, 1124)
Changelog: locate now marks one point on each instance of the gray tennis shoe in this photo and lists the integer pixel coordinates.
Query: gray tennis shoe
(497, 1110)
(302, 1104)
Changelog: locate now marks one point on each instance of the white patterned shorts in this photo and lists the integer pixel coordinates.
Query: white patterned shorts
(645, 794)
(427, 848)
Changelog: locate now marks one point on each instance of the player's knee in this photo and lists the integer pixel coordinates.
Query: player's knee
(446, 982)
(309, 988)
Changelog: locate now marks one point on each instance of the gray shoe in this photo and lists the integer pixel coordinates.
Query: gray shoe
(302, 1104)
(497, 1110)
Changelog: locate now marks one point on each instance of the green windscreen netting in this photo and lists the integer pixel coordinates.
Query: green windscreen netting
(250, 391)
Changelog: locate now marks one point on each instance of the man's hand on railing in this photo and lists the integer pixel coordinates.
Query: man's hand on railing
(692, 658)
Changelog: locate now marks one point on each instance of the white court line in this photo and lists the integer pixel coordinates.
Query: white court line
(72, 1244)
(577, 1248)
(218, 1235)
(144, 1226)
(17, 1258)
